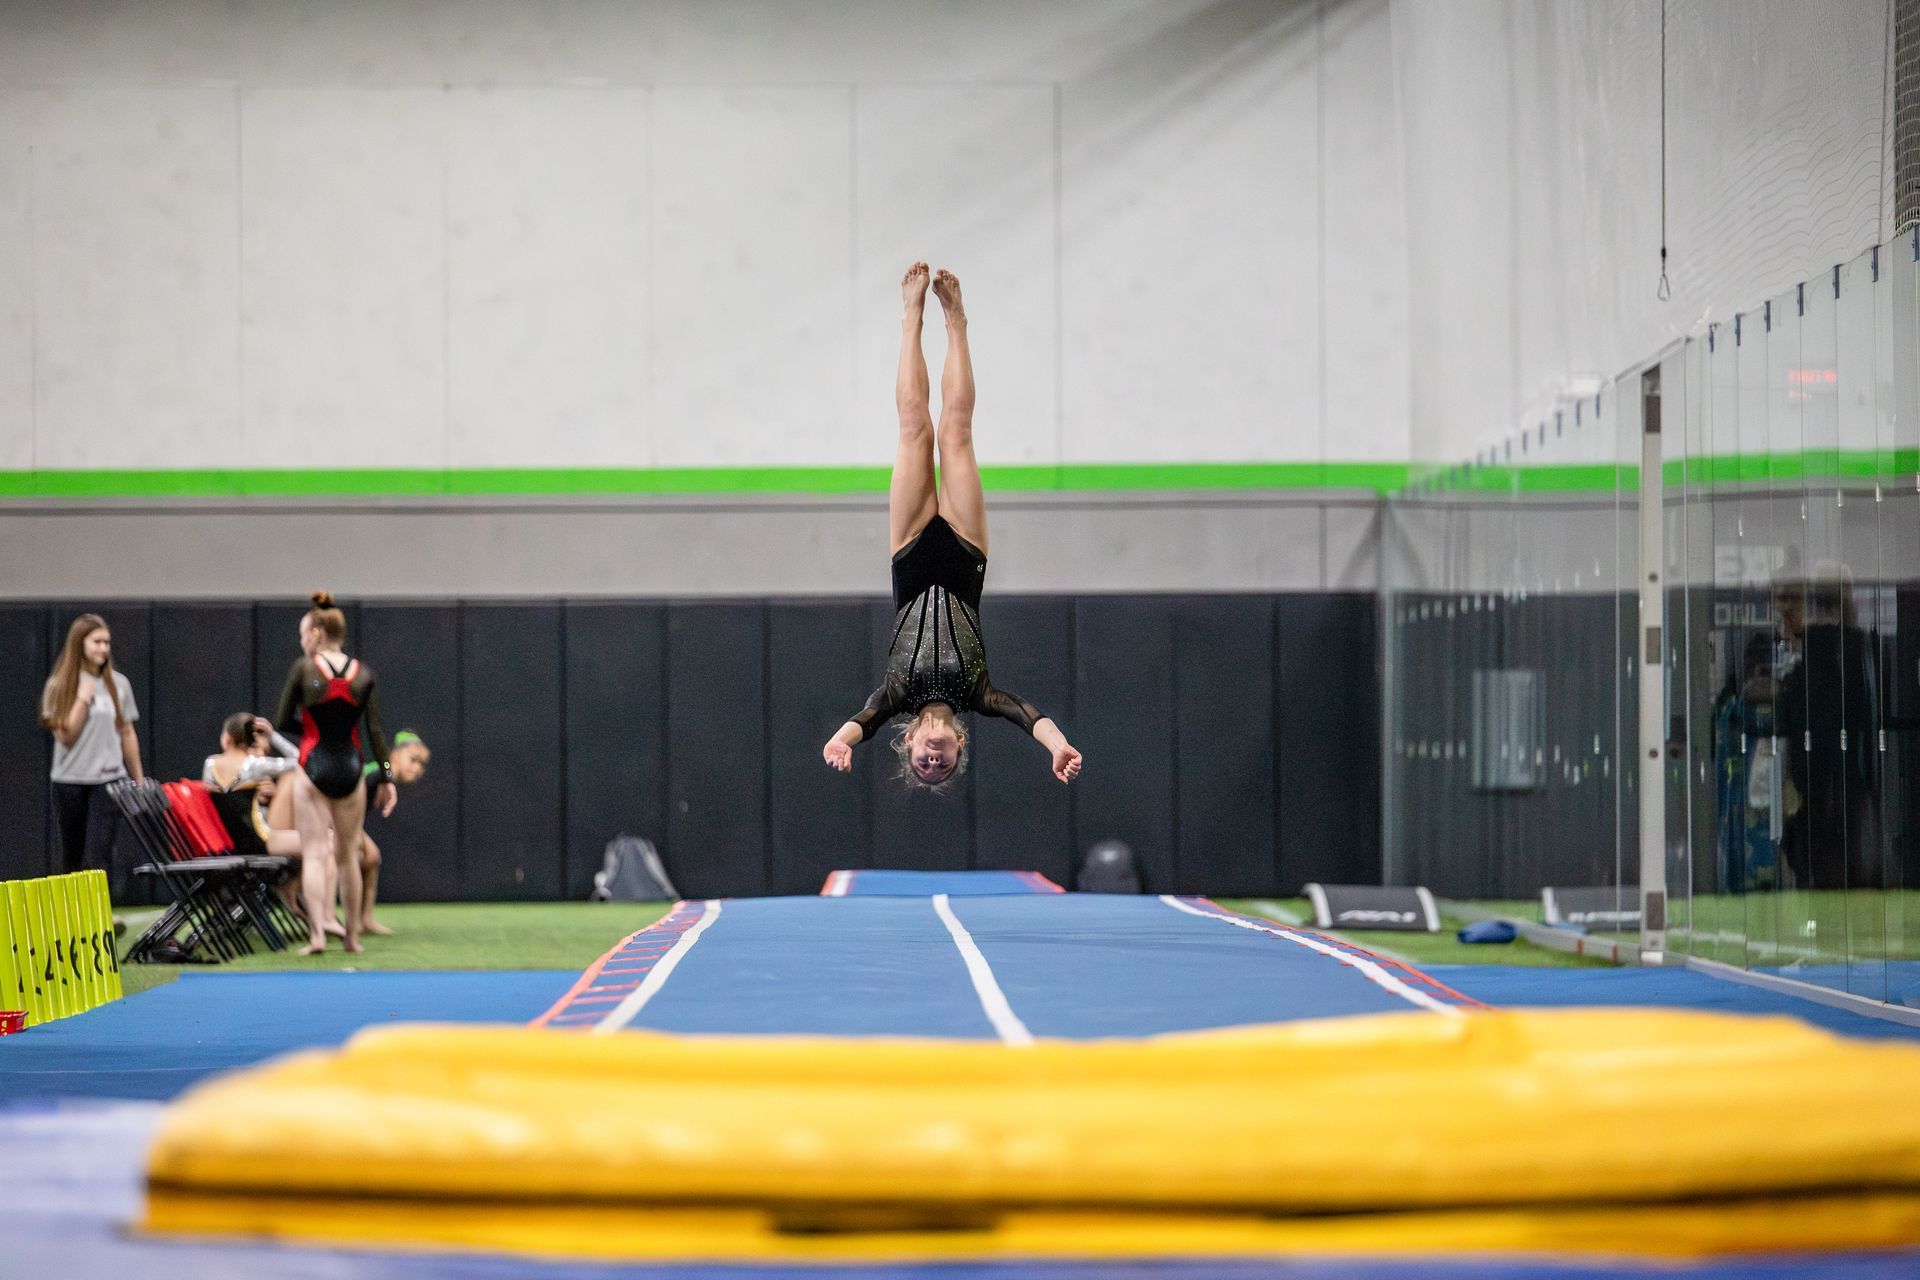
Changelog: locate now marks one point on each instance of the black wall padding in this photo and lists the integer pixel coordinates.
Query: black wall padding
(1027, 822)
(194, 646)
(416, 655)
(616, 732)
(1231, 741)
(717, 748)
(510, 755)
(1327, 762)
(818, 671)
(1123, 723)
(1223, 683)
(26, 659)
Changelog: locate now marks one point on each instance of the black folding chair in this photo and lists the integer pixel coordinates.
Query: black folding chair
(216, 900)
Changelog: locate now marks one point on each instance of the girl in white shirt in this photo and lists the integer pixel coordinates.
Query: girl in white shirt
(89, 709)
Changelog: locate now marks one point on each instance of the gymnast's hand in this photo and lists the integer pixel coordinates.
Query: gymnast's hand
(1066, 762)
(838, 754)
(386, 796)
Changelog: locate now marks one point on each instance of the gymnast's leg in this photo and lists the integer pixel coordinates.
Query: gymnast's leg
(910, 497)
(962, 501)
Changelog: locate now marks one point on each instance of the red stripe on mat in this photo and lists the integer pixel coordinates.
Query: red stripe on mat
(665, 923)
(1374, 956)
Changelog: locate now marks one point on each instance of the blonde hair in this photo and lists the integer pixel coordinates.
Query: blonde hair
(326, 618)
(63, 686)
(903, 752)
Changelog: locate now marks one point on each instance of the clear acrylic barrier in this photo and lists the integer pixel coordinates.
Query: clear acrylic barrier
(1791, 754)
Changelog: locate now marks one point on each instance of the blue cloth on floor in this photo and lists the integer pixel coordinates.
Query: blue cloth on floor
(1488, 931)
(157, 1043)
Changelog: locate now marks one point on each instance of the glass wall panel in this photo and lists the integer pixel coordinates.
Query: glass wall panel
(1858, 493)
(1762, 555)
(1793, 923)
(1790, 522)
(1898, 345)
(1680, 430)
(1729, 642)
(1621, 765)
(1830, 673)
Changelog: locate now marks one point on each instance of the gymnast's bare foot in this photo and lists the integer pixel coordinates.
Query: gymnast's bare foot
(946, 287)
(314, 948)
(352, 946)
(370, 925)
(913, 288)
(334, 927)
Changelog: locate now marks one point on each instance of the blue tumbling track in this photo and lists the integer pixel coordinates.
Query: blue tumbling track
(924, 884)
(1070, 966)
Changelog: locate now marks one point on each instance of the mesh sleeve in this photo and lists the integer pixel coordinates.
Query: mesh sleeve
(881, 707)
(1008, 706)
(287, 717)
(376, 732)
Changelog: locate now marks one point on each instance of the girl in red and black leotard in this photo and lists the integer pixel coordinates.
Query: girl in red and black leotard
(937, 663)
(328, 696)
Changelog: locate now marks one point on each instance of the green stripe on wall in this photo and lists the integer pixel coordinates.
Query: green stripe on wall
(1824, 465)
(1379, 477)
(1375, 477)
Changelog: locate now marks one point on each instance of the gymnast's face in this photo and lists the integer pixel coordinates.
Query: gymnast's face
(934, 753)
(409, 762)
(98, 647)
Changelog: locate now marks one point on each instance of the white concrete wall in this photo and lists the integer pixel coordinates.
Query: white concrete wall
(1533, 144)
(484, 233)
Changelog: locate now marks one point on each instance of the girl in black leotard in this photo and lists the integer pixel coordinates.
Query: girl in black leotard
(937, 664)
(327, 698)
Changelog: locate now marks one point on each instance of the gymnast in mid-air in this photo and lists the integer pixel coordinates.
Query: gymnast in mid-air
(937, 663)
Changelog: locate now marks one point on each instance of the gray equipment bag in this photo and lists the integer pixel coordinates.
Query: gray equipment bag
(632, 872)
(1109, 867)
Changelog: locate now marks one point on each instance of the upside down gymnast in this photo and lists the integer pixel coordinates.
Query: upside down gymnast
(937, 662)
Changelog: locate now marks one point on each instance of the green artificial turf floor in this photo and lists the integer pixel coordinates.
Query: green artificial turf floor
(571, 935)
(446, 935)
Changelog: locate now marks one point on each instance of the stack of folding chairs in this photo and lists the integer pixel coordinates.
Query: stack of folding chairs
(220, 901)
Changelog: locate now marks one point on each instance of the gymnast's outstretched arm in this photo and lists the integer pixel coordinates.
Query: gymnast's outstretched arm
(884, 703)
(1011, 706)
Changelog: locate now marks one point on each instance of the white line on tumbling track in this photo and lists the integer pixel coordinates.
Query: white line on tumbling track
(992, 998)
(1373, 972)
(656, 978)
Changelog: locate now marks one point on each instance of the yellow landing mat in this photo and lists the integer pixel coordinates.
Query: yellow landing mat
(1605, 1131)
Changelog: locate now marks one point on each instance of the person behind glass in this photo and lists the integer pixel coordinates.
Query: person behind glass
(89, 709)
(937, 529)
(328, 698)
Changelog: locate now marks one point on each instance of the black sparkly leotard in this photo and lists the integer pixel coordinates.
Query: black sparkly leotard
(937, 654)
(324, 708)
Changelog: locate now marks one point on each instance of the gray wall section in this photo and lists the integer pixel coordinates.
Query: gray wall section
(653, 547)
(1229, 738)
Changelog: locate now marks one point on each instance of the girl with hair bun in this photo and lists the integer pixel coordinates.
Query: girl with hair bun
(937, 664)
(329, 697)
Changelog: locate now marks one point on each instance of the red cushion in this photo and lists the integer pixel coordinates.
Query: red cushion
(198, 817)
